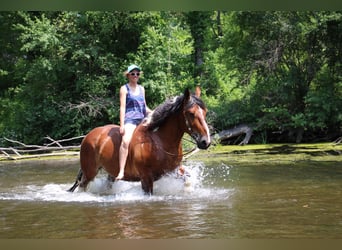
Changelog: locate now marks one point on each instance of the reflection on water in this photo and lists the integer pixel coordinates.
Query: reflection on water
(222, 202)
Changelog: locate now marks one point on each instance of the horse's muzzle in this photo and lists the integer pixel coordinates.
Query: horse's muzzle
(203, 142)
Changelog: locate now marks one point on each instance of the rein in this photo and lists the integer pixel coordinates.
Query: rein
(189, 152)
(172, 154)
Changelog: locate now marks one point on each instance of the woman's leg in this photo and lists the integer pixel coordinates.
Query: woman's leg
(126, 139)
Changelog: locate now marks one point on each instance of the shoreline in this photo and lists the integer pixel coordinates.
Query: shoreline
(251, 153)
(256, 154)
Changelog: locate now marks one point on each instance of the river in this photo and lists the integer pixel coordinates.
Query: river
(217, 201)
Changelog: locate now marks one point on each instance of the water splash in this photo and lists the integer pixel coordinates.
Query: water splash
(169, 187)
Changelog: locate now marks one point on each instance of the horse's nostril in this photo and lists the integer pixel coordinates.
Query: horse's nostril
(203, 144)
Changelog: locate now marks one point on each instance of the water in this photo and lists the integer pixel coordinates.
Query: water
(218, 201)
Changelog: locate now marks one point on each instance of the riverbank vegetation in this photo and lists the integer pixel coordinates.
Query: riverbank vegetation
(278, 72)
(288, 154)
(237, 155)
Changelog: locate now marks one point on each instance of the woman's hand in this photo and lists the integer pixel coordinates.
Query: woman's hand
(122, 130)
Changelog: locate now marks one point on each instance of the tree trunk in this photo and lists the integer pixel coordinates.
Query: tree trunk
(236, 131)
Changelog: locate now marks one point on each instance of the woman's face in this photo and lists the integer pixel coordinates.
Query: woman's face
(134, 75)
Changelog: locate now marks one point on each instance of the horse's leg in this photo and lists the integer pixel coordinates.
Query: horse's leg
(88, 165)
(110, 180)
(88, 175)
(77, 181)
(84, 182)
(147, 184)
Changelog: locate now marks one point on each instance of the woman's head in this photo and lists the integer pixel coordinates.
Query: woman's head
(132, 70)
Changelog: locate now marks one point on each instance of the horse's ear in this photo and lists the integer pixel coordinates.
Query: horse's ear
(198, 91)
(187, 95)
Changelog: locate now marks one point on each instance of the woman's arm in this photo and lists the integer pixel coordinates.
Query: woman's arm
(123, 94)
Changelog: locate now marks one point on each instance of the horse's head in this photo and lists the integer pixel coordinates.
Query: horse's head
(195, 112)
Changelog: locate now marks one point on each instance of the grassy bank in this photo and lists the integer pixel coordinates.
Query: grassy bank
(271, 153)
(241, 155)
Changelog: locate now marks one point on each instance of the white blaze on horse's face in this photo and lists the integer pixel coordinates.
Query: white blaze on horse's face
(200, 114)
(201, 134)
(205, 125)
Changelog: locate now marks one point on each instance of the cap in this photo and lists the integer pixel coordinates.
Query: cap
(132, 67)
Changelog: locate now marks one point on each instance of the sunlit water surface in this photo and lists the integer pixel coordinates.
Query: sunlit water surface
(217, 201)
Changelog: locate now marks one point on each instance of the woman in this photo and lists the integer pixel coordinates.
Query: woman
(133, 110)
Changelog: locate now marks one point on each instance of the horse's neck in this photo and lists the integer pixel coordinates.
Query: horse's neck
(172, 131)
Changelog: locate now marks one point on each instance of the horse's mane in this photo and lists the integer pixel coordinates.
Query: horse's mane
(169, 107)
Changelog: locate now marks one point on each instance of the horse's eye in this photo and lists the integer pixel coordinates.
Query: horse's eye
(191, 116)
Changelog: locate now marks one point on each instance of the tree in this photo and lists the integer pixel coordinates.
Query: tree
(280, 57)
(60, 72)
(199, 23)
(165, 56)
(68, 71)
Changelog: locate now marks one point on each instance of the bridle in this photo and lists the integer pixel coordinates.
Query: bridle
(192, 133)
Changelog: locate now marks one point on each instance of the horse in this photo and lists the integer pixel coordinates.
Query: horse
(155, 148)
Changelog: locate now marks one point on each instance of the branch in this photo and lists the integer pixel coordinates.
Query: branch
(338, 140)
(91, 107)
(53, 142)
(24, 151)
(22, 144)
(238, 130)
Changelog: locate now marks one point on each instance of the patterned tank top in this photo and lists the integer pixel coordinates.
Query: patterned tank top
(135, 106)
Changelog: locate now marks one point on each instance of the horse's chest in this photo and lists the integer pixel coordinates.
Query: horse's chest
(155, 156)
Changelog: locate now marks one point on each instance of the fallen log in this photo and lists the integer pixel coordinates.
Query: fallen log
(54, 148)
(37, 156)
(236, 131)
(338, 140)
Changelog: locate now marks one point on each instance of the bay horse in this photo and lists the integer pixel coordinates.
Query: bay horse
(155, 148)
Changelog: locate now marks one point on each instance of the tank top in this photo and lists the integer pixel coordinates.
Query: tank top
(135, 106)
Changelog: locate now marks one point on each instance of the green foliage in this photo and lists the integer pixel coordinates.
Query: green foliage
(164, 54)
(60, 72)
(324, 102)
(281, 57)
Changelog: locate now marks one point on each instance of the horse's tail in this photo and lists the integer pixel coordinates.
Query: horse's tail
(77, 181)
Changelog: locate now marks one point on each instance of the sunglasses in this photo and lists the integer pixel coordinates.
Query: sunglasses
(134, 74)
